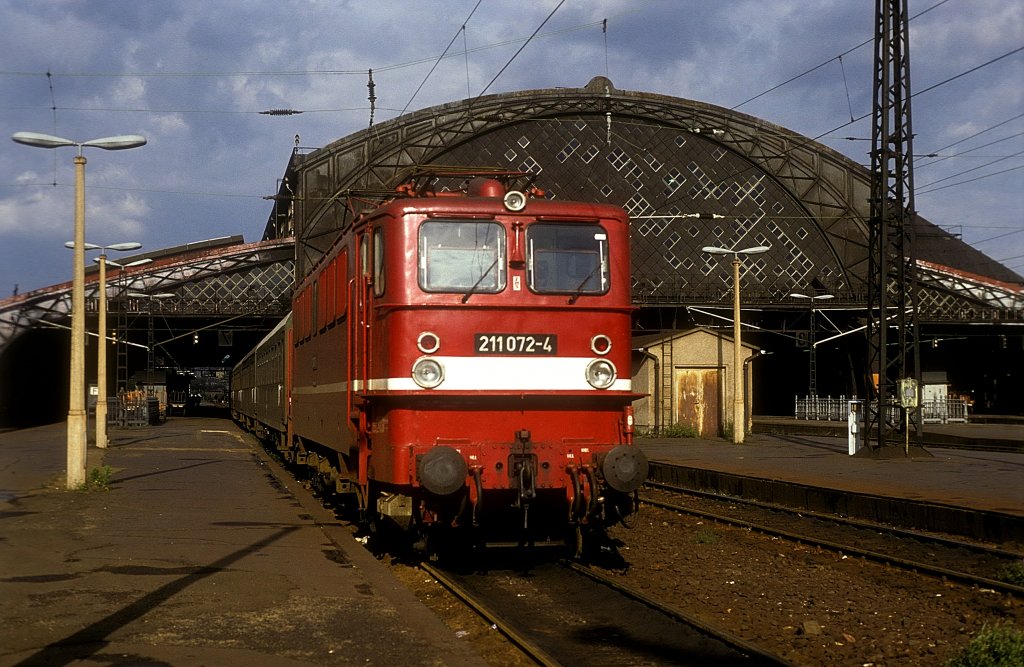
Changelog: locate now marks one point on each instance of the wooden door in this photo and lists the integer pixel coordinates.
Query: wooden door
(697, 400)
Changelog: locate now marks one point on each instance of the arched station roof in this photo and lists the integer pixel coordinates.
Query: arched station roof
(215, 279)
(690, 175)
(199, 305)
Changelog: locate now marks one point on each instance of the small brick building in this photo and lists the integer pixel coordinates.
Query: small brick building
(688, 379)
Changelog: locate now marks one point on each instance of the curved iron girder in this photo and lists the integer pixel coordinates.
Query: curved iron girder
(254, 278)
(947, 294)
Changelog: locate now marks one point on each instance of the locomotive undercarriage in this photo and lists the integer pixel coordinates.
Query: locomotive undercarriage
(573, 513)
(329, 474)
(442, 527)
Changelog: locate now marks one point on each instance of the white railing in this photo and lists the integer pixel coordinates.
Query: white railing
(949, 411)
(821, 408)
(827, 408)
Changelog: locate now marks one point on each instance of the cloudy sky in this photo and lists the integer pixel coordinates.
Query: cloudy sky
(193, 75)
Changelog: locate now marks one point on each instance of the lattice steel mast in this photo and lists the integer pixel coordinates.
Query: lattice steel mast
(892, 280)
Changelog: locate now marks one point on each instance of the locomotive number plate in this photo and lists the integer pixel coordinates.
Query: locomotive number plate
(500, 343)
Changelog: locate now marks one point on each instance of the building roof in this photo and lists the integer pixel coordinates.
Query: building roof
(650, 340)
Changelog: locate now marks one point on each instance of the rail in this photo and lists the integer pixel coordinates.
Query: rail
(932, 554)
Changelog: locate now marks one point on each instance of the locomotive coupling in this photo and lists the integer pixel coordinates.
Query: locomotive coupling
(625, 468)
(442, 471)
(522, 466)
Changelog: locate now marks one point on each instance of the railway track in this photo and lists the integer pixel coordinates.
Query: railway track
(951, 559)
(566, 614)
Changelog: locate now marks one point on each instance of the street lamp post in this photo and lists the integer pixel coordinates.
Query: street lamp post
(101, 350)
(77, 423)
(812, 367)
(739, 417)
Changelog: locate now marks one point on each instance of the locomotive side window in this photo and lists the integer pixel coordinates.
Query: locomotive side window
(463, 257)
(315, 306)
(341, 280)
(302, 316)
(567, 259)
(364, 254)
(378, 261)
(329, 279)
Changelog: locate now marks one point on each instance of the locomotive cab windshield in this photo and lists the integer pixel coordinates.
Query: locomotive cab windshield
(471, 258)
(567, 259)
(459, 256)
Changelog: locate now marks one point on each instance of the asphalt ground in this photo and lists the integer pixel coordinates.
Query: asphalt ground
(198, 553)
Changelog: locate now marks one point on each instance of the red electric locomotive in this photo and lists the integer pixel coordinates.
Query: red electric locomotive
(461, 361)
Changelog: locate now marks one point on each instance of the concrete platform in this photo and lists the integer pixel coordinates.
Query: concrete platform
(995, 433)
(819, 469)
(198, 554)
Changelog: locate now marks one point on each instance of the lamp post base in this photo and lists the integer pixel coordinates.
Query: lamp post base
(77, 429)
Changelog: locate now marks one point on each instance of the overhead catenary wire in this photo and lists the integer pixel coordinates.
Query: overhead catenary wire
(53, 110)
(979, 132)
(972, 180)
(604, 29)
(303, 72)
(477, 82)
(520, 50)
(461, 30)
(940, 158)
(465, 53)
(823, 64)
(999, 236)
(971, 70)
(536, 34)
(806, 142)
(846, 87)
(924, 186)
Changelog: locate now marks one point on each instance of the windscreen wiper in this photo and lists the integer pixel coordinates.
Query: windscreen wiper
(579, 288)
(472, 290)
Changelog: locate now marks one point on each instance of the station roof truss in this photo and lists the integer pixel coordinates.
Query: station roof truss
(222, 278)
(690, 174)
(961, 289)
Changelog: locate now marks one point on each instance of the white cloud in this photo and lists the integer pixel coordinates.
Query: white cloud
(203, 69)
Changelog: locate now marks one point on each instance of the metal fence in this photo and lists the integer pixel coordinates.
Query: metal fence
(822, 408)
(949, 411)
(133, 409)
(827, 408)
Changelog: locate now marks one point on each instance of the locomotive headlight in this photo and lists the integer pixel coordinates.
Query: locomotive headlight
(428, 342)
(600, 373)
(601, 344)
(515, 201)
(427, 372)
